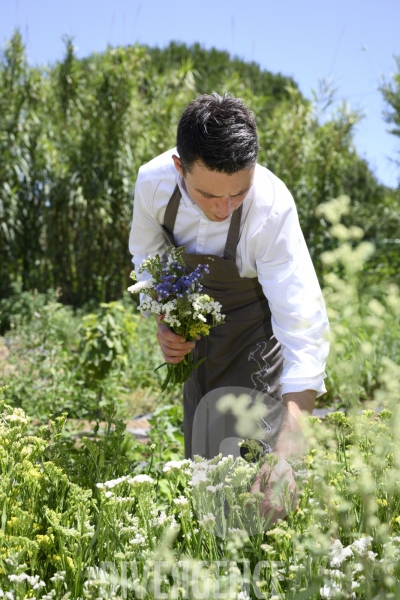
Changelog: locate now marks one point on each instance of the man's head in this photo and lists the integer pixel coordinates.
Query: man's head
(219, 132)
(218, 147)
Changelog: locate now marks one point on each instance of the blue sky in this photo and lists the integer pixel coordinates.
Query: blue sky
(351, 42)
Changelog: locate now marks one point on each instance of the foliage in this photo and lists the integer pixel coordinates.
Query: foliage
(21, 307)
(72, 138)
(66, 362)
(212, 67)
(63, 517)
(391, 93)
(365, 330)
(71, 512)
(104, 340)
(73, 135)
(53, 365)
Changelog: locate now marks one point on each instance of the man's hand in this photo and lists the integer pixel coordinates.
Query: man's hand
(279, 488)
(291, 443)
(173, 346)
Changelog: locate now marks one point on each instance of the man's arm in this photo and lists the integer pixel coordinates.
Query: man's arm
(299, 318)
(298, 405)
(146, 236)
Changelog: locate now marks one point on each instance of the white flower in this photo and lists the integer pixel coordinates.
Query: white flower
(35, 582)
(211, 488)
(199, 477)
(336, 573)
(141, 285)
(138, 540)
(175, 465)
(302, 473)
(330, 591)
(112, 482)
(108, 494)
(325, 592)
(181, 501)
(362, 544)
(208, 522)
(138, 479)
(59, 576)
(339, 554)
(18, 578)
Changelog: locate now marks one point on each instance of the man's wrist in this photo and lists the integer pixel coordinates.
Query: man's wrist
(290, 439)
(298, 402)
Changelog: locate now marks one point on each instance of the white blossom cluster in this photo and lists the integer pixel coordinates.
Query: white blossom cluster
(158, 308)
(59, 576)
(34, 581)
(140, 286)
(338, 555)
(135, 481)
(163, 520)
(178, 466)
(181, 501)
(203, 305)
(208, 522)
(201, 472)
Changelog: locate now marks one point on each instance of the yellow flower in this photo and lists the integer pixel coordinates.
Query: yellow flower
(199, 329)
(382, 502)
(44, 541)
(70, 563)
(56, 558)
(34, 473)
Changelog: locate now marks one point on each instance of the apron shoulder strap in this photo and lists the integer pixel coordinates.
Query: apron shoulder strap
(170, 214)
(233, 235)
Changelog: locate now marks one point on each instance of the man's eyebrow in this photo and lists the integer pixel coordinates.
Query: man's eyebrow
(213, 196)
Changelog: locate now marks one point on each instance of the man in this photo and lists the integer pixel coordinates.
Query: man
(210, 195)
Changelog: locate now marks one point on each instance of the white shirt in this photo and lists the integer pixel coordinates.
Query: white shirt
(271, 247)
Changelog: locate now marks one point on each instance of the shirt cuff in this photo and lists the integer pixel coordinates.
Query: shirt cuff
(307, 383)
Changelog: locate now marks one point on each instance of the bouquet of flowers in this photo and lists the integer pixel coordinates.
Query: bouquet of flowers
(177, 296)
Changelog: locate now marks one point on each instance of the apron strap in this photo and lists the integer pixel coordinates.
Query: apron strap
(232, 239)
(170, 214)
(233, 235)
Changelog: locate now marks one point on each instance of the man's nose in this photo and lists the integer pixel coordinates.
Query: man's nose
(224, 206)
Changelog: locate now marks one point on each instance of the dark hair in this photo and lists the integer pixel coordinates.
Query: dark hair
(219, 131)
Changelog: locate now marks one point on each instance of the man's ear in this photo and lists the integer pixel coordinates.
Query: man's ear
(178, 164)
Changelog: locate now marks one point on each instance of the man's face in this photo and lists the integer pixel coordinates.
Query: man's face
(216, 194)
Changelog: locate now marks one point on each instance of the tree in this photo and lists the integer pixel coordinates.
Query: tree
(391, 94)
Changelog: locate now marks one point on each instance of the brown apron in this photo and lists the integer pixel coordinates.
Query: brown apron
(243, 351)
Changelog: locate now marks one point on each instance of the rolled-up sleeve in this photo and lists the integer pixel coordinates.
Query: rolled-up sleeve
(289, 281)
(146, 237)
